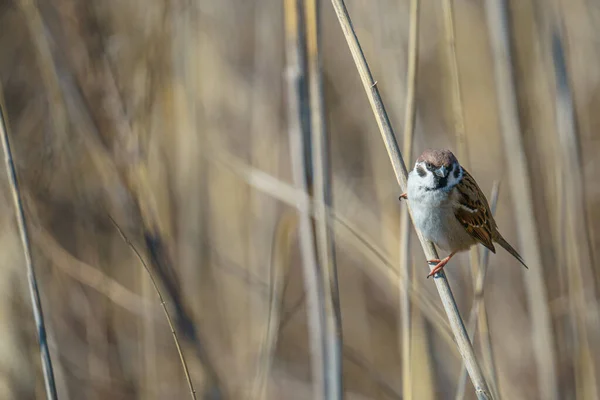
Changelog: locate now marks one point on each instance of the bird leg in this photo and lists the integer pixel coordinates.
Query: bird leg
(403, 196)
(440, 264)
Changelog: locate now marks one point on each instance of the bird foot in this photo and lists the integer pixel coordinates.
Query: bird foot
(403, 196)
(440, 265)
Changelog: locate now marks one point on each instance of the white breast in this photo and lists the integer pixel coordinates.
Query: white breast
(433, 215)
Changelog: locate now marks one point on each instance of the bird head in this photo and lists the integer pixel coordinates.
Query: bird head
(438, 169)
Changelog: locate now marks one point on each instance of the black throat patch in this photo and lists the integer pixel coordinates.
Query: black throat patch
(440, 182)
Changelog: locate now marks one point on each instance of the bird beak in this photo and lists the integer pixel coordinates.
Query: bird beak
(441, 172)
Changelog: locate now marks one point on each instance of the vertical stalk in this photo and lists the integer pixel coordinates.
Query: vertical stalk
(322, 192)
(296, 75)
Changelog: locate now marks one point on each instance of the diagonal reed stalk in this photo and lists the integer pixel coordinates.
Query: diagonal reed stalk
(164, 306)
(410, 114)
(321, 186)
(478, 311)
(36, 302)
(456, 323)
(542, 336)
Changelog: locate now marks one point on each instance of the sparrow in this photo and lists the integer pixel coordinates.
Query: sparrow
(449, 208)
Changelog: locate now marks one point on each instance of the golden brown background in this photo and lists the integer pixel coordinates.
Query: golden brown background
(162, 113)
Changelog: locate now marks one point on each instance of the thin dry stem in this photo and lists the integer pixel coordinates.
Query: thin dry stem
(148, 343)
(164, 306)
(410, 114)
(36, 302)
(387, 133)
(542, 336)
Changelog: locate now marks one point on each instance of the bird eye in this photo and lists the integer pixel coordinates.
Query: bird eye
(429, 166)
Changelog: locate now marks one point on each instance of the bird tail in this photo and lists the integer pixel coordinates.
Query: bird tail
(500, 240)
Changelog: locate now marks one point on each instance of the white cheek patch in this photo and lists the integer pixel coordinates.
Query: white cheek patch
(428, 180)
(453, 180)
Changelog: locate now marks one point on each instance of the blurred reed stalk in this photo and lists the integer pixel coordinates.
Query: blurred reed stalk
(280, 258)
(163, 305)
(457, 101)
(36, 303)
(56, 101)
(542, 336)
(389, 139)
(410, 114)
(268, 249)
(296, 96)
(321, 189)
(579, 268)
(478, 310)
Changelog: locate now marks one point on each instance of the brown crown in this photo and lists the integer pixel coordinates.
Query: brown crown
(438, 157)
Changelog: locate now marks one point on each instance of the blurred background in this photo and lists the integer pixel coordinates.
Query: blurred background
(175, 119)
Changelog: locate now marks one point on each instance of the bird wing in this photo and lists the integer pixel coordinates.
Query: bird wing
(473, 211)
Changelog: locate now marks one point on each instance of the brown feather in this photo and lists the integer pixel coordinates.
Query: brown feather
(438, 157)
(473, 212)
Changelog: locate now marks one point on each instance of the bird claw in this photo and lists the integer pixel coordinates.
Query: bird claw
(403, 196)
(438, 268)
(440, 265)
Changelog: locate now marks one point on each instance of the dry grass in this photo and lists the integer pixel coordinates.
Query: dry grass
(163, 304)
(36, 302)
(173, 116)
